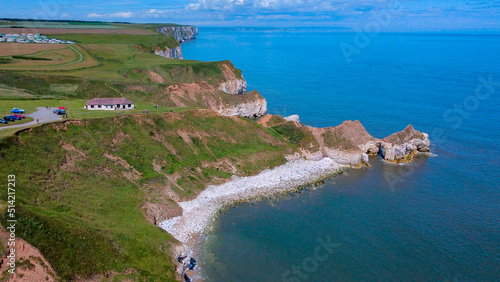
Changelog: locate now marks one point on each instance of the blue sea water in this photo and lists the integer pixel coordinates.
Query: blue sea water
(437, 219)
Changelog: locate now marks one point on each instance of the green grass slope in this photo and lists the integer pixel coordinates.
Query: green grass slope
(81, 185)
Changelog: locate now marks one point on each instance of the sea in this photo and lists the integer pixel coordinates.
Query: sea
(437, 219)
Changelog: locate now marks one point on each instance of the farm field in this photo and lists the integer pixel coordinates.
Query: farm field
(48, 57)
(49, 31)
(7, 92)
(45, 24)
(9, 49)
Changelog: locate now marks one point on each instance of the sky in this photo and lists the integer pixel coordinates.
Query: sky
(388, 15)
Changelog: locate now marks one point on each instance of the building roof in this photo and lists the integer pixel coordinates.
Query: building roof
(109, 101)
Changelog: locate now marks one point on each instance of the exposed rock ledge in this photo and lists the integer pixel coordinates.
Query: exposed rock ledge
(180, 33)
(228, 97)
(172, 53)
(350, 144)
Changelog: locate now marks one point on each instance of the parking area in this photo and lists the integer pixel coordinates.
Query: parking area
(42, 115)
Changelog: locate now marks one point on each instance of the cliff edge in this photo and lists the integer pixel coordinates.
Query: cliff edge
(349, 143)
(180, 33)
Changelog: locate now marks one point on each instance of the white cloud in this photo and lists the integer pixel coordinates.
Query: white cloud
(94, 15)
(113, 15)
(122, 15)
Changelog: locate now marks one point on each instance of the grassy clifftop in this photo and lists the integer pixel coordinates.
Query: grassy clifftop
(83, 187)
(104, 64)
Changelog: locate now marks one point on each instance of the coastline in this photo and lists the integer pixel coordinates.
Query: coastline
(198, 213)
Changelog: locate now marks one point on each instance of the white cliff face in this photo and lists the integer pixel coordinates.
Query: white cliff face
(252, 109)
(173, 53)
(294, 118)
(234, 86)
(346, 158)
(398, 152)
(181, 33)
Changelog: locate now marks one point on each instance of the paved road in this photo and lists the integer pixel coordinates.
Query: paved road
(43, 115)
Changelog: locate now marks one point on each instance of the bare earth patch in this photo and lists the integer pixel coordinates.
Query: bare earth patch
(30, 264)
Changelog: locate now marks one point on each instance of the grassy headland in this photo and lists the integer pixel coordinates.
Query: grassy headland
(89, 189)
(81, 184)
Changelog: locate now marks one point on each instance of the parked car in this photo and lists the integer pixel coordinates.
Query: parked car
(3, 121)
(17, 111)
(19, 116)
(59, 111)
(11, 118)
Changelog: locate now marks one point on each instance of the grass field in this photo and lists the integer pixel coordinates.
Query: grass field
(9, 49)
(7, 92)
(83, 210)
(73, 25)
(87, 183)
(48, 57)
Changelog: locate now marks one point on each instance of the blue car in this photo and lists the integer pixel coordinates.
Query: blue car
(3, 121)
(60, 111)
(11, 118)
(17, 111)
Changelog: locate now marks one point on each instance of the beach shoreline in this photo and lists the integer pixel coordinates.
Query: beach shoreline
(198, 213)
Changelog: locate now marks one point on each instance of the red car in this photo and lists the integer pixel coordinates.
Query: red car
(19, 116)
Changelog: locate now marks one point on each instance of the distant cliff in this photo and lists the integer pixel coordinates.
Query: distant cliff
(180, 33)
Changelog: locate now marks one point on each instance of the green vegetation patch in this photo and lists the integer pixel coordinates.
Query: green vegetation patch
(299, 135)
(130, 39)
(21, 57)
(333, 140)
(5, 61)
(80, 184)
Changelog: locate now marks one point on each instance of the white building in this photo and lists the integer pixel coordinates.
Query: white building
(109, 104)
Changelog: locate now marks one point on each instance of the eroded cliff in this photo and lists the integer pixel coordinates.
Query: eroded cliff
(180, 33)
(349, 143)
(171, 53)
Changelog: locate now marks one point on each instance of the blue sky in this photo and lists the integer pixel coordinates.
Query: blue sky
(404, 15)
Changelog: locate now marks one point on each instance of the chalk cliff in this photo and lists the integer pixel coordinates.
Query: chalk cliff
(180, 33)
(349, 143)
(173, 53)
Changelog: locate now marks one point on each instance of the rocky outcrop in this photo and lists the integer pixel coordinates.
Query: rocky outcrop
(232, 84)
(180, 33)
(255, 108)
(401, 146)
(350, 143)
(184, 261)
(228, 95)
(172, 53)
(294, 118)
